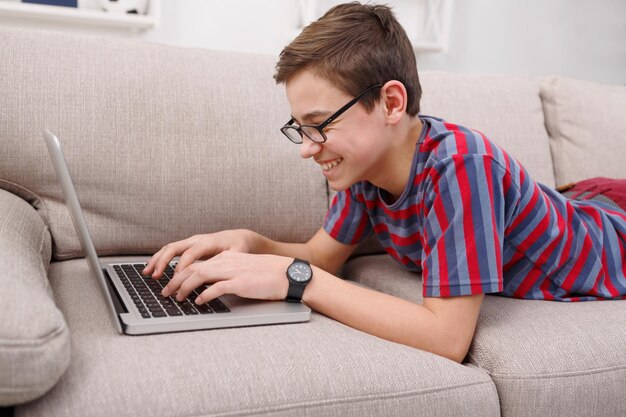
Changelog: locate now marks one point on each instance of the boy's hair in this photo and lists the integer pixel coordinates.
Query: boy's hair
(355, 46)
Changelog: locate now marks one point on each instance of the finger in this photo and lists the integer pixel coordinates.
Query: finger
(179, 277)
(169, 251)
(150, 264)
(191, 255)
(216, 290)
(195, 280)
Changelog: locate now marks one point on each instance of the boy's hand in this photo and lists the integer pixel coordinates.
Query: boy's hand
(246, 275)
(199, 247)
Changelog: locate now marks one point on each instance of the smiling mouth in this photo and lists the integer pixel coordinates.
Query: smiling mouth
(327, 166)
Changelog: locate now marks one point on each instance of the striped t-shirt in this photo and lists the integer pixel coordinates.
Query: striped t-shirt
(473, 221)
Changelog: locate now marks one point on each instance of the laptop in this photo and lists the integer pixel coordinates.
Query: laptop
(135, 303)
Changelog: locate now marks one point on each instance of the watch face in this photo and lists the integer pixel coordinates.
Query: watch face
(299, 272)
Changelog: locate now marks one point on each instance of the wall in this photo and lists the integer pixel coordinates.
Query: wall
(578, 38)
(240, 25)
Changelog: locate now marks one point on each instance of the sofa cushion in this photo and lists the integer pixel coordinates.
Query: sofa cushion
(587, 128)
(545, 357)
(34, 339)
(551, 358)
(506, 108)
(317, 368)
(162, 142)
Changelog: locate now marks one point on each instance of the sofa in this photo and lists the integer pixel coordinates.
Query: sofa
(166, 142)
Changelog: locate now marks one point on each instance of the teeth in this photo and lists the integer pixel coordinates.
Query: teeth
(330, 165)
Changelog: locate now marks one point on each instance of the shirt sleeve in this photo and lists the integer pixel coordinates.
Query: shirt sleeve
(347, 220)
(464, 222)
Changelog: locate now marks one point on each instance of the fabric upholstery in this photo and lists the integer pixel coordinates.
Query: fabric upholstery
(383, 273)
(550, 357)
(318, 368)
(586, 124)
(34, 339)
(505, 108)
(546, 358)
(162, 142)
(166, 142)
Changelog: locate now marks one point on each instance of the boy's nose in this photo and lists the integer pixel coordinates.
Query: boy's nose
(308, 148)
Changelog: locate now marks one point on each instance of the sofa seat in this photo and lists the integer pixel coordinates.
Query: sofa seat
(316, 368)
(545, 357)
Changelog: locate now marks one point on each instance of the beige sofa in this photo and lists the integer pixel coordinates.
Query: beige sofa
(166, 142)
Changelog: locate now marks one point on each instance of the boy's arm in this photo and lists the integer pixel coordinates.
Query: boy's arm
(321, 250)
(444, 326)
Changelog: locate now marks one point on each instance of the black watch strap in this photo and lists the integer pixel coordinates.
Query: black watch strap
(294, 295)
(296, 289)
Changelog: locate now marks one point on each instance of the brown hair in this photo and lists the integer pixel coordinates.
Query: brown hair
(355, 46)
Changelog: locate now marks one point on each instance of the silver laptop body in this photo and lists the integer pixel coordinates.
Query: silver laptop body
(133, 312)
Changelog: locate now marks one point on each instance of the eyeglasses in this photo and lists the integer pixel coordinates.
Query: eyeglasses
(316, 132)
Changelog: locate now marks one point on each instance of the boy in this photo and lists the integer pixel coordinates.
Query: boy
(442, 199)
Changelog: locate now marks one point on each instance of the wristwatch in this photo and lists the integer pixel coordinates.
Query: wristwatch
(299, 275)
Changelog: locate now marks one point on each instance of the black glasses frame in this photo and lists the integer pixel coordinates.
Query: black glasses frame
(321, 126)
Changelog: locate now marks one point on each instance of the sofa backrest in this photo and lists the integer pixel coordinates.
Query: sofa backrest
(162, 142)
(166, 142)
(587, 126)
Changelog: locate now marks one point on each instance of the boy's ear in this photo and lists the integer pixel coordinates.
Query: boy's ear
(394, 97)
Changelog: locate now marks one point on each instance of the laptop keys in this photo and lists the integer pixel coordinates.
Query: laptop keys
(173, 311)
(218, 306)
(146, 294)
(204, 309)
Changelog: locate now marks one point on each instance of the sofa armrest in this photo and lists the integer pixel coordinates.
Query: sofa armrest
(34, 337)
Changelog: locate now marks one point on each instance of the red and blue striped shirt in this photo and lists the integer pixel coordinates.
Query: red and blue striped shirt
(473, 221)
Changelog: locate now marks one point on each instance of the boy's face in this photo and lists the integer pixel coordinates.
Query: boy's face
(355, 140)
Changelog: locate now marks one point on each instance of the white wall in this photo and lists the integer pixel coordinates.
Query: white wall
(240, 25)
(579, 38)
(583, 38)
(253, 25)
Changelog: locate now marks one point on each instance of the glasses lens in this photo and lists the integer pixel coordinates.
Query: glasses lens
(314, 134)
(292, 134)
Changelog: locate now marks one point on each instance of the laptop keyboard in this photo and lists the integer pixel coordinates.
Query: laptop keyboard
(146, 294)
